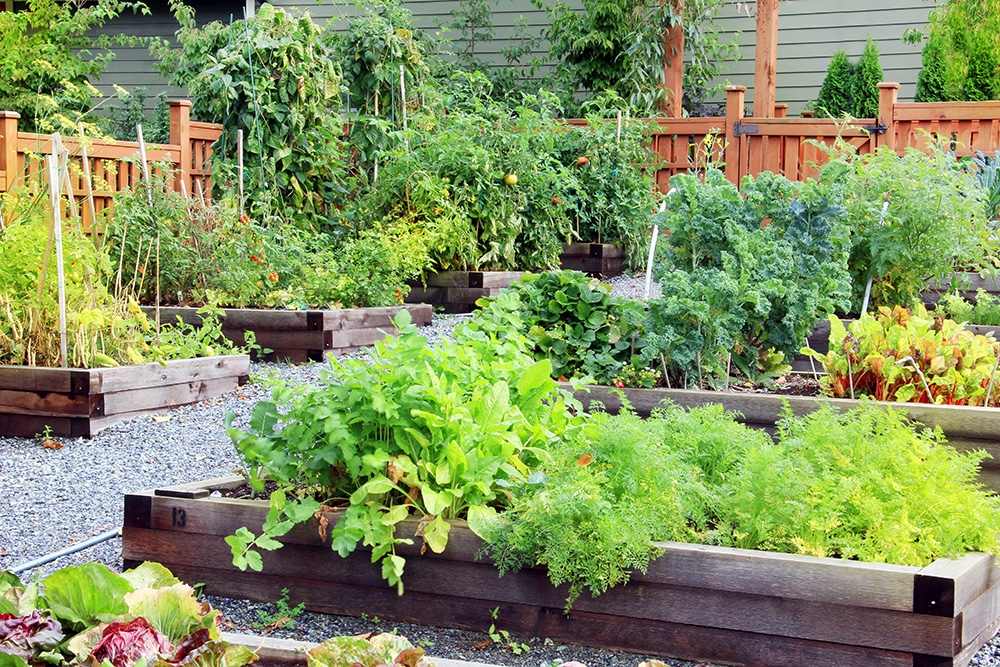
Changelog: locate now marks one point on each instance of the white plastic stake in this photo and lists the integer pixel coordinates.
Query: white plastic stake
(54, 189)
(239, 165)
(402, 94)
(618, 131)
(145, 164)
(652, 251)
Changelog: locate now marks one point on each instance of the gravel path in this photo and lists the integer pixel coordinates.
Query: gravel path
(52, 498)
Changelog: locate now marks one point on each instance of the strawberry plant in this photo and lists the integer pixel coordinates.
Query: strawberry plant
(568, 319)
(908, 356)
(436, 433)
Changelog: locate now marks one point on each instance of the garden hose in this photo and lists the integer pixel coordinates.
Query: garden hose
(72, 549)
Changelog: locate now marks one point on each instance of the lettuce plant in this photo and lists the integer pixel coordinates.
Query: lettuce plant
(88, 613)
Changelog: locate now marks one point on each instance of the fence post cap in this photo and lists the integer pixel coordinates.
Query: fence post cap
(180, 103)
(736, 88)
(888, 84)
(9, 114)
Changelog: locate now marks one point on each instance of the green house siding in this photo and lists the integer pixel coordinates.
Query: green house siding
(810, 32)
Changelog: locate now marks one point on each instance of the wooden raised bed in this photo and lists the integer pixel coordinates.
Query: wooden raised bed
(458, 291)
(965, 427)
(80, 402)
(303, 335)
(596, 259)
(696, 602)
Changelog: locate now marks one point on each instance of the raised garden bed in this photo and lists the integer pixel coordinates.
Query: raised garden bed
(965, 427)
(80, 402)
(304, 335)
(596, 259)
(696, 602)
(458, 291)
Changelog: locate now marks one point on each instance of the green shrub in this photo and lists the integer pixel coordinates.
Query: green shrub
(835, 99)
(864, 82)
(932, 78)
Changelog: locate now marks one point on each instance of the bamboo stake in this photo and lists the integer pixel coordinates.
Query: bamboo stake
(62, 155)
(54, 189)
(993, 375)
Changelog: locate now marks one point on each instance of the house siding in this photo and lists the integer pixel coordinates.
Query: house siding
(810, 32)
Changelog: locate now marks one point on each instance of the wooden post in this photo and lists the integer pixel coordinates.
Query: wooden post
(888, 92)
(781, 110)
(765, 77)
(735, 97)
(180, 136)
(673, 67)
(8, 149)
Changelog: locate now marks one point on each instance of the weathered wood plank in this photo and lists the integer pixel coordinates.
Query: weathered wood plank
(48, 403)
(42, 379)
(946, 586)
(125, 378)
(151, 399)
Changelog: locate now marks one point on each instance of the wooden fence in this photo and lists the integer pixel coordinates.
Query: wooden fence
(746, 145)
(113, 165)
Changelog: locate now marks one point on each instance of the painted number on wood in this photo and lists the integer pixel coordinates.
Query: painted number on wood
(178, 517)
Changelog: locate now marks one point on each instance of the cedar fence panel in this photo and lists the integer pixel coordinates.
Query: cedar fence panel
(22, 159)
(746, 145)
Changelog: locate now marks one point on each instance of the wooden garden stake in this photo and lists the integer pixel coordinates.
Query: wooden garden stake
(62, 156)
(666, 375)
(88, 181)
(812, 362)
(54, 189)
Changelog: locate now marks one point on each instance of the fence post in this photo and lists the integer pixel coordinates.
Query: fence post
(8, 148)
(673, 68)
(180, 136)
(888, 92)
(781, 110)
(735, 158)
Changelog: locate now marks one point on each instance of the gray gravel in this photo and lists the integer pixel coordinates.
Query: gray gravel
(51, 499)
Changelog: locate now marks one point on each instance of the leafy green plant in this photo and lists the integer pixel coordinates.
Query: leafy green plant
(434, 432)
(274, 77)
(908, 356)
(120, 120)
(618, 45)
(834, 98)
(283, 615)
(502, 637)
(864, 82)
(983, 309)
(87, 613)
(366, 651)
(913, 218)
(747, 273)
(987, 172)
(570, 320)
(865, 484)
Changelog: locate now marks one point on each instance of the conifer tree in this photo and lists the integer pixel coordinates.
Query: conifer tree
(864, 83)
(834, 99)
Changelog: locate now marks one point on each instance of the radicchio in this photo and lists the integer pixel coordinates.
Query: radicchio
(24, 635)
(123, 644)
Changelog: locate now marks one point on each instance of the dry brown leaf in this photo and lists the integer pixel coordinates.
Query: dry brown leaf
(585, 460)
(52, 444)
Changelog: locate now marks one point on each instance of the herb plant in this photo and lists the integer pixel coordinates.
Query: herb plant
(435, 433)
(983, 309)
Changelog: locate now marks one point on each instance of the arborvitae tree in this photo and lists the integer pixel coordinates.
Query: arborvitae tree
(864, 83)
(834, 99)
(981, 77)
(933, 72)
